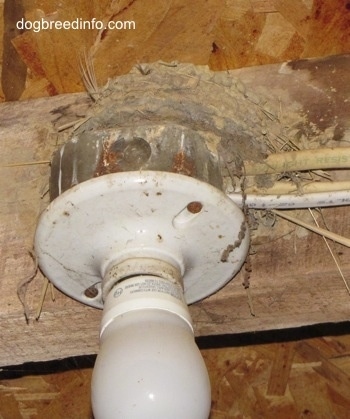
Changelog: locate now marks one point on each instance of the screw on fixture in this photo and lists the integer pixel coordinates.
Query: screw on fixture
(91, 292)
(195, 207)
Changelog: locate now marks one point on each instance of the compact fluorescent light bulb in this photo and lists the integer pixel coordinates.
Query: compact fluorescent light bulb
(149, 365)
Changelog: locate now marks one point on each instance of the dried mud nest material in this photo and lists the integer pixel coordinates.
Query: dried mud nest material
(238, 125)
(214, 103)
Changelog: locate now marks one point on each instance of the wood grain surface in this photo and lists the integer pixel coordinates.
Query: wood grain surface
(294, 280)
(288, 379)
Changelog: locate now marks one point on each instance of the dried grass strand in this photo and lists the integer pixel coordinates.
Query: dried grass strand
(88, 74)
(332, 254)
(322, 232)
(23, 285)
(27, 163)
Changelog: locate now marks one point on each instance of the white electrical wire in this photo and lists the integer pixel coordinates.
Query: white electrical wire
(301, 160)
(310, 200)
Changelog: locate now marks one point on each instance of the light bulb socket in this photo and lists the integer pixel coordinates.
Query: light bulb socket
(145, 292)
(117, 272)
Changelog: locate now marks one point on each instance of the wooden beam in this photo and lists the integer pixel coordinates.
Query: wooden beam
(294, 280)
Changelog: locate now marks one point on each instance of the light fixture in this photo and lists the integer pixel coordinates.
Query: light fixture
(139, 226)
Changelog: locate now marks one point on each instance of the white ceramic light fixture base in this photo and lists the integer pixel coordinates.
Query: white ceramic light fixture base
(105, 221)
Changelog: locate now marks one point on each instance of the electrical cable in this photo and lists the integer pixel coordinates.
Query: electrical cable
(301, 160)
(288, 201)
(299, 188)
(288, 195)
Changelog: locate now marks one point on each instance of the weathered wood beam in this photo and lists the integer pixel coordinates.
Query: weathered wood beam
(294, 280)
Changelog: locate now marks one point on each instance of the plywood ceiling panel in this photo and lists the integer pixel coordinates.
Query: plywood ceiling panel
(225, 35)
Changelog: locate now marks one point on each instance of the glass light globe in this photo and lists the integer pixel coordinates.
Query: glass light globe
(149, 367)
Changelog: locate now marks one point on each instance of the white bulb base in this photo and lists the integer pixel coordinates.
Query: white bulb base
(149, 365)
